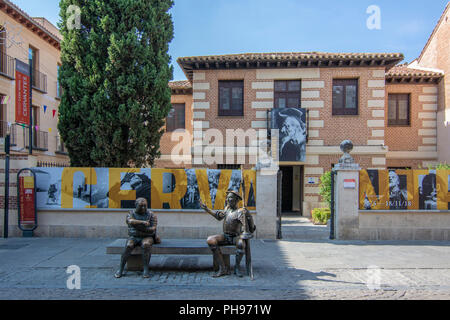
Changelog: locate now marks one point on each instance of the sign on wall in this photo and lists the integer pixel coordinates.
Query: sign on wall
(404, 190)
(291, 123)
(81, 188)
(22, 93)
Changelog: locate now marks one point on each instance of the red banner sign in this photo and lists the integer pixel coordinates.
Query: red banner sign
(27, 202)
(22, 93)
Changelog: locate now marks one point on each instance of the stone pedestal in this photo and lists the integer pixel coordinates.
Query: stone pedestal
(346, 201)
(266, 203)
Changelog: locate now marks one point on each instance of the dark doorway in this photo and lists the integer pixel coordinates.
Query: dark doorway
(286, 188)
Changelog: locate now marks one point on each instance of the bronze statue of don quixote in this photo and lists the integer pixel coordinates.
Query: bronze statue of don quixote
(238, 229)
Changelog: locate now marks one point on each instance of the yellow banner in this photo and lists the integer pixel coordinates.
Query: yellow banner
(404, 190)
(116, 188)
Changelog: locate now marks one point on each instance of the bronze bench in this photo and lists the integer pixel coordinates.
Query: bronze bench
(170, 246)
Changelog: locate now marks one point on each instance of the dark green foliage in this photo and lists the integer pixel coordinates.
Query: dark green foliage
(114, 75)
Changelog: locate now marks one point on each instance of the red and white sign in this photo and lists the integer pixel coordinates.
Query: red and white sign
(22, 93)
(349, 183)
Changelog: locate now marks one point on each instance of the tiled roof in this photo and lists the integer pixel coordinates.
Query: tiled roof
(287, 60)
(180, 87)
(180, 84)
(286, 56)
(403, 70)
(22, 17)
(402, 73)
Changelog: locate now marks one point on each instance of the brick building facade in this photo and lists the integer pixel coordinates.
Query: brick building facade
(400, 119)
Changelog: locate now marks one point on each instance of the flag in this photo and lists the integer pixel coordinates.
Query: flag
(5, 99)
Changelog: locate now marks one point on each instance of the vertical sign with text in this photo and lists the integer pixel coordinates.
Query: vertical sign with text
(22, 93)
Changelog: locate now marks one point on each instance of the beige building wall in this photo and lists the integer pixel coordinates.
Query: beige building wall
(48, 60)
(436, 55)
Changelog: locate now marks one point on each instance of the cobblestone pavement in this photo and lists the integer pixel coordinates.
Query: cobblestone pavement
(284, 270)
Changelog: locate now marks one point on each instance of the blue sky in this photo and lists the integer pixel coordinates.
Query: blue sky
(206, 27)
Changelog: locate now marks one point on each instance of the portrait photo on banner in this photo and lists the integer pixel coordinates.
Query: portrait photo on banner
(291, 123)
(405, 189)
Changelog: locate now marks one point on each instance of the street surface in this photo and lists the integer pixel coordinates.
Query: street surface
(288, 269)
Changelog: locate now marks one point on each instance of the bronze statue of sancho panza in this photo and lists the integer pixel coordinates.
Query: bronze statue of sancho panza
(142, 224)
(237, 227)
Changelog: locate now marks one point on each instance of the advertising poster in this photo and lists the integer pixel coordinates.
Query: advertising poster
(291, 123)
(22, 93)
(116, 188)
(404, 189)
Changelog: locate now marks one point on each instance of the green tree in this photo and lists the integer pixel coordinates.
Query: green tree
(114, 75)
(325, 188)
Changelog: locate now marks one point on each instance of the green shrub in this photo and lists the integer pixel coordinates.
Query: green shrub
(439, 166)
(321, 215)
(443, 166)
(325, 187)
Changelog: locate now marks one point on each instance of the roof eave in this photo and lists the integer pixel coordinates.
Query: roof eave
(413, 79)
(191, 64)
(14, 11)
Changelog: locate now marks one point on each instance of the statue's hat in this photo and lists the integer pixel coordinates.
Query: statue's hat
(235, 193)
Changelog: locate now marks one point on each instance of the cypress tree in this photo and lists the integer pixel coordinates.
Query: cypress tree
(114, 75)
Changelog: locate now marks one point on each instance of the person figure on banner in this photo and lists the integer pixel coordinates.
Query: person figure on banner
(398, 198)
(52, 194)
(428, 193)
(292, 135)
(139, 182)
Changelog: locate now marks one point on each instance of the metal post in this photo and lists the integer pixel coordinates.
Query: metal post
(30, 134)
(6, 216)
(333, 210)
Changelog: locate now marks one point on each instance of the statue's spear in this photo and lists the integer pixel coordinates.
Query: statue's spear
(243, 186)
(246, 236)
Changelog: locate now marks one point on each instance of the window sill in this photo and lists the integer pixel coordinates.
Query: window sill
(39, 90)
(229, 116)
(38, 149)
(176, 130)
(6, 76)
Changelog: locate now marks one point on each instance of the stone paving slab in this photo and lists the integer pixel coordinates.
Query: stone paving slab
(291, 269)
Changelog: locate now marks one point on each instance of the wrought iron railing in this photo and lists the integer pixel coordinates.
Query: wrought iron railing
(13, 132)
(7, 65)
(40, 139)
(39, 80)
(49, 164)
